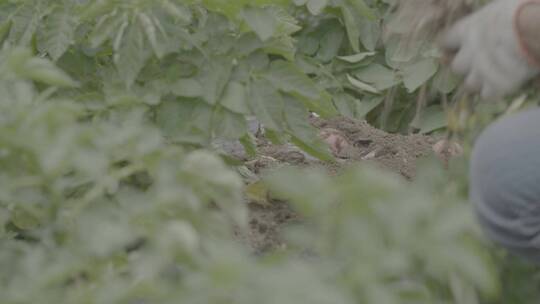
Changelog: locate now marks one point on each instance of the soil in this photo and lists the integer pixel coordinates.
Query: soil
(350, 141)
(394, 152)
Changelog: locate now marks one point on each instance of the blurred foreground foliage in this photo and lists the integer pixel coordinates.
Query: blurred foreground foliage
(110, 191)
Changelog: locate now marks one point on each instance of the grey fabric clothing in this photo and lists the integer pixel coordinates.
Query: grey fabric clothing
(505, 183)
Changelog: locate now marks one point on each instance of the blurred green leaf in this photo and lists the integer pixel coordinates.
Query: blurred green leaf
(356, 57)
(316, 6)
(379, 76)
(261, 21)
(362, 86)
(187, 87)
(432, 118)
(59, 32)
(234, 98)
(418, 73)
(42, 70)
(267, 104)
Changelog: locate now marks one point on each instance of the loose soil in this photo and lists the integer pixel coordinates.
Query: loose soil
(350, 141)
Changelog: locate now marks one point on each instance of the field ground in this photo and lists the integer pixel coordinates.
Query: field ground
(353, 141)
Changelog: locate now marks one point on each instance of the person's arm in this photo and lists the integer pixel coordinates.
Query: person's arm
(497, 48)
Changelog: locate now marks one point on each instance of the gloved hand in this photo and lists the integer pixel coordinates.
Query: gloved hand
(487, 50)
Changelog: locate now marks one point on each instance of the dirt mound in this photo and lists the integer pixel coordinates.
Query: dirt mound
(351, 141)
(394, 152)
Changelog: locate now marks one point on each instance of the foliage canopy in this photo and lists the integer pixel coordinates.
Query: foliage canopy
(110, 179)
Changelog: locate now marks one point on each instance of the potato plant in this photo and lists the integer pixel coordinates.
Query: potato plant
(112, 190)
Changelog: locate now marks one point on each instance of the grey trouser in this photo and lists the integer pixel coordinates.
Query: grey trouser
(505, 183)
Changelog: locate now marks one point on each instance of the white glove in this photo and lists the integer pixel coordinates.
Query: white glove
(488, 52)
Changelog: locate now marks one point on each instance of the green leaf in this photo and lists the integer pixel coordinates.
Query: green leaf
(179, 11)
(356, 57)
(5, 27)
(286, 23)
(283, 46)
(221, 185)
(214, 77)
(309, 44)
(43, 70)
(229, 125)
(150, 30)
(232, 9)
(24, 219)
(292, 184)
(187, 87)
(362, 86)
(261, 21)
(303, 134)
(267, 104)
(316, 7)
(105, 29)
(288, 78)
(185, 120)
(346, 104)
(330, 41)
(234, 98)
(248, 142)
(363, 9)
(377, 75)
(353, 31)
(24, 25)
(366, 105)
(415, 75)
(400, 51)
(445, 81)
(370, 33)
(58, 32)
(131, 54)
(432, 118)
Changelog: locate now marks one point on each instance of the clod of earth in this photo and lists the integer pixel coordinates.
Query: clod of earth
(337, 142)
(446, 150)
